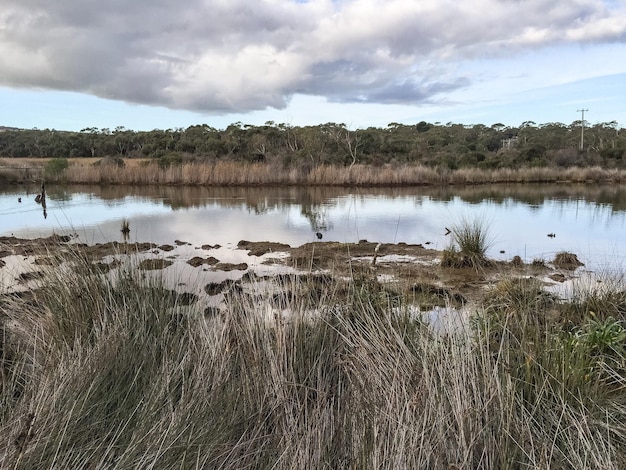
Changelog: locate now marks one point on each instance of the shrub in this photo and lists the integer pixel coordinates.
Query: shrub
(169, 160)
(111, 161)
(56, 166)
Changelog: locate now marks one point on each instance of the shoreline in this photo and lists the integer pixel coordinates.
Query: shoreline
(231, 173)
(409, 270)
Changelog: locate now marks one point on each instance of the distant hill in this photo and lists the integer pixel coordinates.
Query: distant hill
(5, 128)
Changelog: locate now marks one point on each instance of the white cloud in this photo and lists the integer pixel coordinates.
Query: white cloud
(237, 56)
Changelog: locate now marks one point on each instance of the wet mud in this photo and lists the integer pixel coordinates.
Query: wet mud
(414, 272)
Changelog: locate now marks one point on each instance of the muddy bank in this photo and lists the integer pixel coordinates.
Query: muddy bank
(412, 271)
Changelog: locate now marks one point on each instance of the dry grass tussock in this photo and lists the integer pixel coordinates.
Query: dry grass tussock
(122, 375)
(224, 173)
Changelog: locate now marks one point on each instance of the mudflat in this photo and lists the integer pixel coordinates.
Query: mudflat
(410, 270)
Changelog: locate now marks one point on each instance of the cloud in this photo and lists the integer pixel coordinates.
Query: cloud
(219, 56)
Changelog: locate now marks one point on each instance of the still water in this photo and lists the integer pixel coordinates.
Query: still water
(589, 220)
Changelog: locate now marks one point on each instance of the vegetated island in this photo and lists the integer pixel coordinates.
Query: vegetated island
(326, 154)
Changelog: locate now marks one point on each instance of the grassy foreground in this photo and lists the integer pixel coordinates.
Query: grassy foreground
(123, 374)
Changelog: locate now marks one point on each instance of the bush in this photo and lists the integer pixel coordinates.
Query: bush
(612, 153)
(56, 166)
(169, 160)
(111, 161)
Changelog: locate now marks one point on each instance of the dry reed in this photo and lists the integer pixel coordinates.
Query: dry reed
(231, 173)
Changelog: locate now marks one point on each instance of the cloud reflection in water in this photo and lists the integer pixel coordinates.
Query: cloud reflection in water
(588, 220)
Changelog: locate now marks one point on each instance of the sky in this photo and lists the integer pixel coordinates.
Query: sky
(161, 64)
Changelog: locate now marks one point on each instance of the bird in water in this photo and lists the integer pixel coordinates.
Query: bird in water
(19, 199)
(318, 235)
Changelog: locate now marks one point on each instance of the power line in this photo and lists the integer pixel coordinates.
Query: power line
(582, 128)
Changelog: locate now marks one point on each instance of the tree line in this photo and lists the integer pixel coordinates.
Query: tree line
(433, 144)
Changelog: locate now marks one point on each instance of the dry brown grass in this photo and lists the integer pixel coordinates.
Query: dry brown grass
(22, 162)
(34, 162)
(128, 375)
(231, 173)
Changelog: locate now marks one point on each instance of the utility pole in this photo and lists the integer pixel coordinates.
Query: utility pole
(582, 128)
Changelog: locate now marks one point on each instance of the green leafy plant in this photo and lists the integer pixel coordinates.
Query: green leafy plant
(602, 345)
(605, 337)
(167, 161)
(56, 166)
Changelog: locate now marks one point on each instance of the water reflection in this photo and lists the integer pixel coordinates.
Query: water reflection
(262, 200)
(587, 219)
(41, 200)
(125, 230)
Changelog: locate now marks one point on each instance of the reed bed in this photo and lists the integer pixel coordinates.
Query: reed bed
(231, 173)
(118, 373)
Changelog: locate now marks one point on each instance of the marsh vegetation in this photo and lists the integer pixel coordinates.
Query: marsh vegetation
(470, 240)
(237, 173)
(327, 154)
(309, 372)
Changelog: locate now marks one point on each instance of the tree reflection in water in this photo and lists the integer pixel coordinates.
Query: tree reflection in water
(585, 217)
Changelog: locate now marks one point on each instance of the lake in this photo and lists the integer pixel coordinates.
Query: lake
(589, 220)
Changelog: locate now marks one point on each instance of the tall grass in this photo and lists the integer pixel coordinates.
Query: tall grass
(599, 296)
(470, 240)
(225, 173)
(102, 373)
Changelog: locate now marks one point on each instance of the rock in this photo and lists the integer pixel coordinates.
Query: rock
(261, 248)
(214, 288)
(231, 266)
(558, 277)
(156, 263)
(199, 261)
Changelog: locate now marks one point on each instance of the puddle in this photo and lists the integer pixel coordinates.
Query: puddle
(396, 259)
(183, 277)
(442, 320)
(586, 283)
(14, 275)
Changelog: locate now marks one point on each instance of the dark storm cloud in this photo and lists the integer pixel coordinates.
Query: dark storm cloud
(221, 55)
